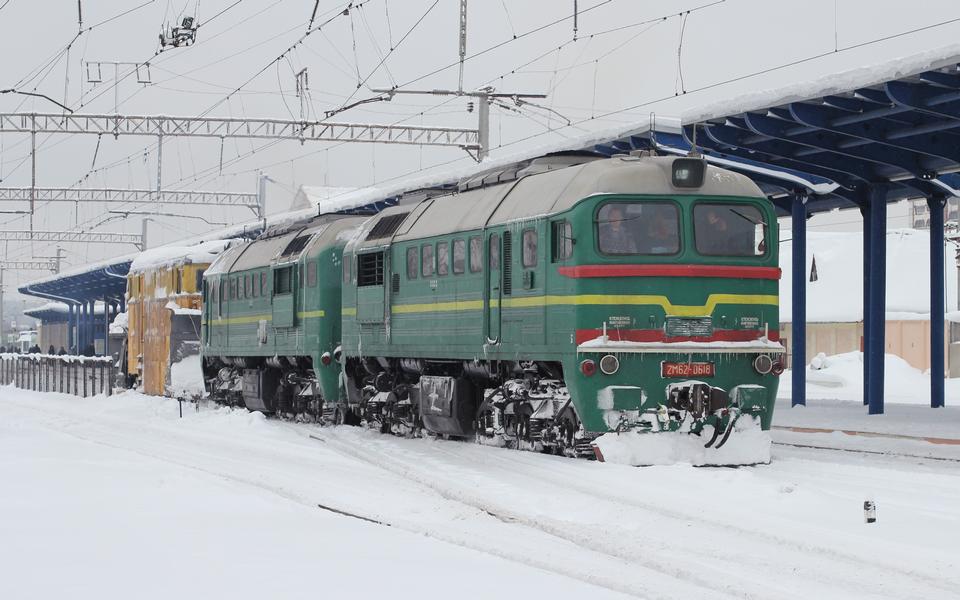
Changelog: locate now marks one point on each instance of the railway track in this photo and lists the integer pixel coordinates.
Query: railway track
(867, 452)
(664, 540)
(934, 442)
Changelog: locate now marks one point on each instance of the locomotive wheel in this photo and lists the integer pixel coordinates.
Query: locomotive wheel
(568, 425)
(485, 416)
(522, 420)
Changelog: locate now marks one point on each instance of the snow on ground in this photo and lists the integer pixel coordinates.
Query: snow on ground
(117, 497)
(840, 377)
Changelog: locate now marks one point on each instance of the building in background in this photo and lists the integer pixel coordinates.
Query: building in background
(835, 297)
(920, 212)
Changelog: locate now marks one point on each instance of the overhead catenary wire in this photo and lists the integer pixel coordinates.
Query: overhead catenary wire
(683, 27)
(280, 57)
(620, 111)
(383, 60)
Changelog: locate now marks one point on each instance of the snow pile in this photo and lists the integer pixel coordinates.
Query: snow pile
(747, 445)
(181, 311)
(204, 252)
(186, 377)
(120, 323)
(840, 377)
(837, 294)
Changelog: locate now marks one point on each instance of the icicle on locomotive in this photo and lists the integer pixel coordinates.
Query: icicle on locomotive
(540, 307)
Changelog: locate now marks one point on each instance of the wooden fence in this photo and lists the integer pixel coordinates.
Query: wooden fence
(77, 375)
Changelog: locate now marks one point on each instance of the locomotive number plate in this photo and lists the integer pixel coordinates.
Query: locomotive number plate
(687, 369)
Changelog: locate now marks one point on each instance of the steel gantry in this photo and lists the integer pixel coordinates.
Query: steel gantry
(230, 128)
(162, 127)
(21, 265)
(130, 196)
(70, 236)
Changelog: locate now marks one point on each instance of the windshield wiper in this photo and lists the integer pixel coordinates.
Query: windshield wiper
(746, 218)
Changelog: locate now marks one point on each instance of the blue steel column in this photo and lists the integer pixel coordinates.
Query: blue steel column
(70, 325)
(106, 325)
(81, 310)
(92, 325)
(878, 297)
(867, 262)
(799, 287)
(937, 308)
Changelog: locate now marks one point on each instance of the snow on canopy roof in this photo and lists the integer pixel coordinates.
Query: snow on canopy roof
(53, 307)
(107, 263)
(837, 295)
(38, 312)
(827, 85)
(204, 252)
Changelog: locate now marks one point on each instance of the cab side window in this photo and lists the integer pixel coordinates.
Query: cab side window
(562, 246)
(413, 262)
(443, 258)
(459, 256)
(476, 254)
(426, 262)
(530, 248)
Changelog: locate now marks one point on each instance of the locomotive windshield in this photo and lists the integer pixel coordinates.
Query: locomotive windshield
(729, 230)
(639, 228)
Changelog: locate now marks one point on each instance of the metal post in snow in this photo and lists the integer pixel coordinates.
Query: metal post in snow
(799, 307)
(878, 297)
(937, 305)
(867, 263)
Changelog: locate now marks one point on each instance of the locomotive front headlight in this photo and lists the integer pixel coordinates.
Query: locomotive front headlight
(609, 364)
(688, 172)
(763, 364)
(588, 367)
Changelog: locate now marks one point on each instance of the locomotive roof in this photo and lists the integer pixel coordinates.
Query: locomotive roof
(550, 192)
(266, 250)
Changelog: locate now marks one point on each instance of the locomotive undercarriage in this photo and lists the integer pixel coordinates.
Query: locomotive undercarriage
(283, 386)
(522, 405)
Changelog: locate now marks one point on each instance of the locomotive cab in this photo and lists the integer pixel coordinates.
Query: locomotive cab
(683, 328)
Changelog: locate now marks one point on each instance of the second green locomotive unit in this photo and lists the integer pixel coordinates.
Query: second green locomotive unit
(539, 306)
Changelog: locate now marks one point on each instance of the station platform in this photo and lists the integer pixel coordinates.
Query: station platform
(906, 430)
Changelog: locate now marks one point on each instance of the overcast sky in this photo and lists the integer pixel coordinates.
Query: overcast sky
(625, 56)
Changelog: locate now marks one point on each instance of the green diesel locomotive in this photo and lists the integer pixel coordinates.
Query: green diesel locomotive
(539, 306)
(271, 318)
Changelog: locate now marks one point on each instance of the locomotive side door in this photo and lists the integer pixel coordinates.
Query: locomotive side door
(494, 284)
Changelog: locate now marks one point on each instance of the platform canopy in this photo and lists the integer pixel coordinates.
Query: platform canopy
(84, 284)
(860, 139)
(895, 125)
